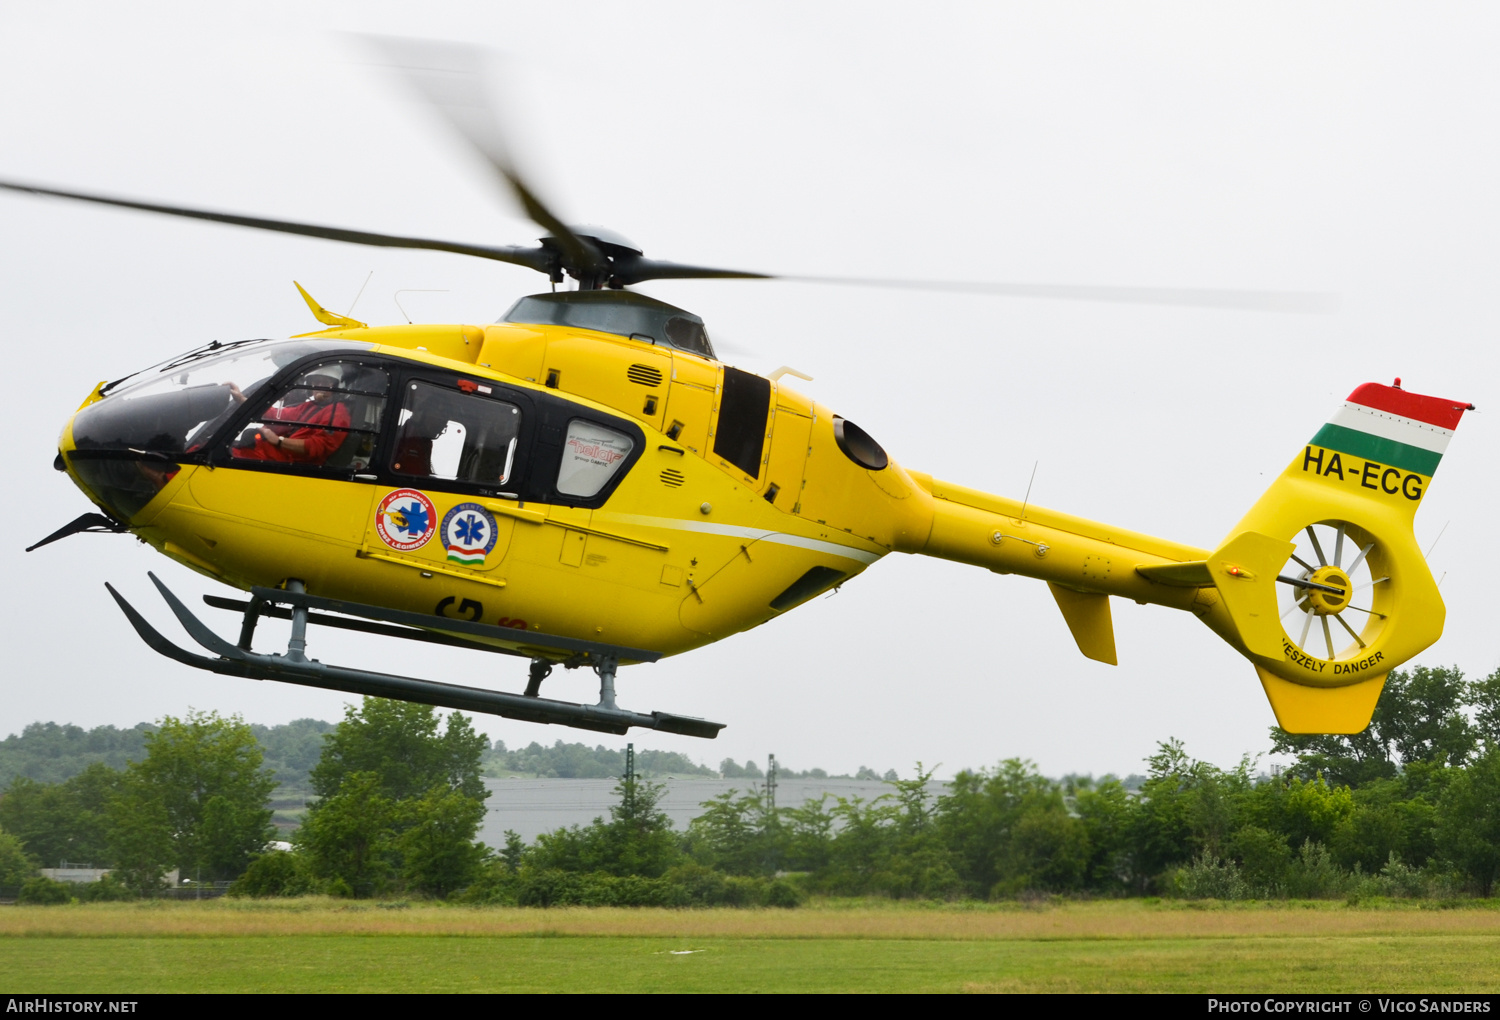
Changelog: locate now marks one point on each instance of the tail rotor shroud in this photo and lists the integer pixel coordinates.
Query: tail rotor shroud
(1337, 592)
(1335, 597)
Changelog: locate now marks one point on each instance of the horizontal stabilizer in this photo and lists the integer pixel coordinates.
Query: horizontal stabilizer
(1193, 574)
(1088, 617)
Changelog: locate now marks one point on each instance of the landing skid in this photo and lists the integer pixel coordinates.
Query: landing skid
(295, 667)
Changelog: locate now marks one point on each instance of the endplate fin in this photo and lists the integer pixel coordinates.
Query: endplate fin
(1088, 617)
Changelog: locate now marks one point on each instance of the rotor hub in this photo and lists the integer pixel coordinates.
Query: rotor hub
(1324, 602)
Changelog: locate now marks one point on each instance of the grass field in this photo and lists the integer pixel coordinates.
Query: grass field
(323, 945)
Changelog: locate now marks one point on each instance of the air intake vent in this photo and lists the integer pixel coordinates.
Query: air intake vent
(672, 478)
(645, 375)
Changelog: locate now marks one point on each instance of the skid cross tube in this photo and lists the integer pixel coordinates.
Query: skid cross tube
(233, 660)
(255, 609)
(529, 638)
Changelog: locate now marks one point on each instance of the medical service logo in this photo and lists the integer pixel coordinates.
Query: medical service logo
(405, 520)
(469, 534)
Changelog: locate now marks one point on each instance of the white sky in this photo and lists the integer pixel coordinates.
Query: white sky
(1339, 147)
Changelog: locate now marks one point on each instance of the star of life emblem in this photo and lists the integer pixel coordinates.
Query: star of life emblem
(469, 534)
(405, 520)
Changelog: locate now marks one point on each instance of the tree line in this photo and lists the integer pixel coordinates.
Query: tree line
(51, 753)
(1409, 807)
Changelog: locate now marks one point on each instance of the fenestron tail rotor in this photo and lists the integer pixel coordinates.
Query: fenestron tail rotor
(1331, 594)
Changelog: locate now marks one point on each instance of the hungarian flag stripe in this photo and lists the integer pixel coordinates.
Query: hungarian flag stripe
(1406, 404)
(1377, 449)
(1392, 426)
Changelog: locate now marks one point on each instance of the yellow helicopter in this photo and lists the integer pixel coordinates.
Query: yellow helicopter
(585, 483)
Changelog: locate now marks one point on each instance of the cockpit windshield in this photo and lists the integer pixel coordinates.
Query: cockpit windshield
(127, 446)
(174, 409)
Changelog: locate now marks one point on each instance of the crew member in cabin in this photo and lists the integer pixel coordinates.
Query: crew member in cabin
(290, 431)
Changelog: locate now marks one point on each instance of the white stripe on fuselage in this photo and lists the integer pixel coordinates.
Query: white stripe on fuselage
(737, 531)
(1393, 427)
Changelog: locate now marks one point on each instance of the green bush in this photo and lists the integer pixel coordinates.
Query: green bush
(694, 885)
(275, 873)
(44, 892)
(781, 893)
(1314, 875)
(497, 885)
(687, 885)
(547, 888)
(1397, 879)
(699, 885)
(16, 865)
(626, 891)
(108, 889)
(554, 888)
(741, 891)
(1264, 858)
(925, 873)
(1468, 823)
(437, 850)
(1208, 878)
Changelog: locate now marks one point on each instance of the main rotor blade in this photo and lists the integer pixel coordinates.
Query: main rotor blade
(450, 79)
(1182, 297)
(532, 258)
(629, 271)
(639, 270)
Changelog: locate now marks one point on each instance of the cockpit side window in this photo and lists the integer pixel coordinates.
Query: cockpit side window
(687, 334)
(463, 435)
(328, 418)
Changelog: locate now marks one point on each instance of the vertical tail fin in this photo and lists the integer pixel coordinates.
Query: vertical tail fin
(1322, 585)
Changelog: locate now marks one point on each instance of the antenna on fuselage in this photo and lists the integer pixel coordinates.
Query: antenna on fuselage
(1029, 484)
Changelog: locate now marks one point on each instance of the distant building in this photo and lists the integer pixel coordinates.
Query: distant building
(75, 873)
(88, 873)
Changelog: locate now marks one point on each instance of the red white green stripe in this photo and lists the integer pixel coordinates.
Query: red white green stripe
(1388, 425)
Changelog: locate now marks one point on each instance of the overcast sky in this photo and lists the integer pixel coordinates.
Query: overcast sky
(1347, 148)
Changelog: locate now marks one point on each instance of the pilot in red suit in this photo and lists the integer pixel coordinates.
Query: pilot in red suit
(299, 440)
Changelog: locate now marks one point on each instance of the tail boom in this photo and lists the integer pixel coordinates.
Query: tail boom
(1358, 482)
(1008, 537)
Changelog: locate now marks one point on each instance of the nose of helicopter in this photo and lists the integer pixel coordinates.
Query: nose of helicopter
(120, 486)
(119, 451)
